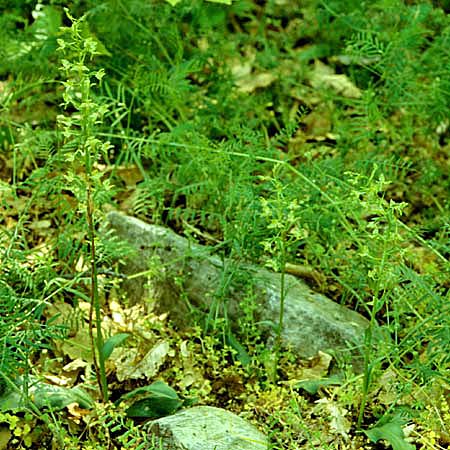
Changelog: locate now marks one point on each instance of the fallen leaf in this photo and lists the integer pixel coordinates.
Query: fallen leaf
(251, 82)
(154, 359)
(318, 124)
(191, 374)
(324, 76)
(77, 413)
(319, 366)
(76, 364)
(125, 361)
(79, 346)
(130, 175)
(129, 367)
(245, 78)
(338, 423)
(59, 381)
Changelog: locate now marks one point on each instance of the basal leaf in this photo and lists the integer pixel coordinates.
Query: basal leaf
(45, 395)
(161, 401)
(57, 397)
(158, 388)
(392, 432)
(242, 354)
(153, 407)
(313, 386)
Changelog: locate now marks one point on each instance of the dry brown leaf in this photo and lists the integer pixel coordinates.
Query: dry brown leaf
(130, 175)
(319, 124)
(191, 374)
(129, 366)
(319, 366)
(58, 380)
(338, 423)
(79, 346)
(75, 365)
(316, 369)
(77, 413)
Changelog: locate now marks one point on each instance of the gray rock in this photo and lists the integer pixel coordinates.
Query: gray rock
(312, 322)
(206, 428)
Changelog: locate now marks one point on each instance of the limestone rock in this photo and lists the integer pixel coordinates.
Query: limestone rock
(312, 322)
(206, 428)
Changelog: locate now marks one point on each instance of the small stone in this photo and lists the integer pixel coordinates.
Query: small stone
(206, 428)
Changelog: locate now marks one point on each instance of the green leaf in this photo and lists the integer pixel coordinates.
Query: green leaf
(153, 408)
(111, 343)
(56, 397)
(392, 432)
(313, 386)
(44, 395)
(242, 355)
(157, 388)
(162, 401)
(11, 401)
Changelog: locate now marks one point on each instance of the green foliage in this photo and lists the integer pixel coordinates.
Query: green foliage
(44, 396)
(392, 432)
(154, 401)
(33, 49)
(111, 343)
(24, 298)
(20, 430)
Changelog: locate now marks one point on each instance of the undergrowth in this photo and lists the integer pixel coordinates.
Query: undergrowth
(312, 134)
